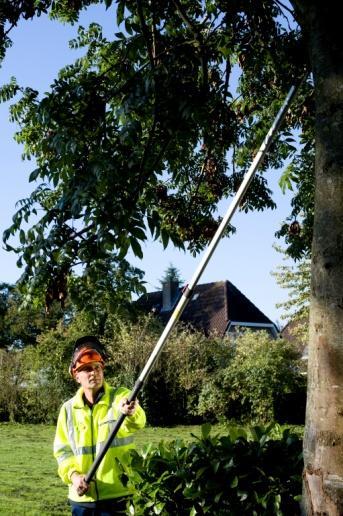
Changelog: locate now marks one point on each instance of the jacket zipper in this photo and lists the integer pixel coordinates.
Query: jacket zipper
(93, 454)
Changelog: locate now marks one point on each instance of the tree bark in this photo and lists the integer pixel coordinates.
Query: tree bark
(323, 441)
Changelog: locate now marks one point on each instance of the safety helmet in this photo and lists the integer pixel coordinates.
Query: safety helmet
(86, 350)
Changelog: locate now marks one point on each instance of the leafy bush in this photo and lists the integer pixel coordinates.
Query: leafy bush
(11, 378)
(40, 381)
(170, 395)
(234, 474)
(260, 376)
(195, 378)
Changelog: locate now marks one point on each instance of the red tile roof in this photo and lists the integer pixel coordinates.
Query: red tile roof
(212, 307)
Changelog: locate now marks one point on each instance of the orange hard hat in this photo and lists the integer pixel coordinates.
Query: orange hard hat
(86, 350)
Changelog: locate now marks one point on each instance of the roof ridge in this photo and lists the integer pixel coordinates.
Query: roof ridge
(249, 301)
(226, 295)
(210, 283)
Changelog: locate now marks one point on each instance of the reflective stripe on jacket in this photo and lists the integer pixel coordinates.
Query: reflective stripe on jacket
(80, 433)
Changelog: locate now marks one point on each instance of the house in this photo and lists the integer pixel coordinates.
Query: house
(214, 307)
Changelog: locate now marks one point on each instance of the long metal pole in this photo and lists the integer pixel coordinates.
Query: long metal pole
(187, 293)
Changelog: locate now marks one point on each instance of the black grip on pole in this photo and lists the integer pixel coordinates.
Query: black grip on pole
(133, 395)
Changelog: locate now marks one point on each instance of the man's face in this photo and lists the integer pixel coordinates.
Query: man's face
(91, 376)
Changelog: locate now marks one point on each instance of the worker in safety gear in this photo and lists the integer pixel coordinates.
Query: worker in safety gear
(84, 424)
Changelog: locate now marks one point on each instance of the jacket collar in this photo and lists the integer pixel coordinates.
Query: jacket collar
(104, 400)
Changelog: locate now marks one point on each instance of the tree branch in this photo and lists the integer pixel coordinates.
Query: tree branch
(145, 32)
(8, 30)
(144, 176)
(154, 31)
(198, 38)
(283, 6)
(227, 78)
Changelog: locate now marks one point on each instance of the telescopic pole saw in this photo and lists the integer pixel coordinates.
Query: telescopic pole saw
(188, 291)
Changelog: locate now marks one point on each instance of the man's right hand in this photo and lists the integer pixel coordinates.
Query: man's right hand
(79, 483)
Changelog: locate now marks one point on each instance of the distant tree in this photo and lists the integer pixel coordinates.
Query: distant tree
(296, 279)
(20, 322)
(104, 290)
(5, 337)
(171, 274)
(11, 378)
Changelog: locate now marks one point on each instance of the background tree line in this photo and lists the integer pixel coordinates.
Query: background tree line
(249, 377)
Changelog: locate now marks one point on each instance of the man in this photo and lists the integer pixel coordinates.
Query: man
(84, 424)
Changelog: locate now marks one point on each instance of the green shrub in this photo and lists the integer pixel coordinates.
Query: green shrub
(234, 474)
(11, 379)
(260, 376)
(171, 392)
(41, 381)
(195, 379)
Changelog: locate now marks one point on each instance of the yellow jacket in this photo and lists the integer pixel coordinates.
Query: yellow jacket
(79, 435)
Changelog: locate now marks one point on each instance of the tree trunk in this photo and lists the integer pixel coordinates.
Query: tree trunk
(323, 442)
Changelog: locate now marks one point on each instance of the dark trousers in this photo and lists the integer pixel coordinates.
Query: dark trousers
(105, 508)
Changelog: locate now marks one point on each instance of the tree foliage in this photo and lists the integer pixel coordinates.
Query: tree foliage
(148, 131)
(10, 14)
(21, 323)
(299, 177)
(171, 274)
(296, 279)
(195, 378)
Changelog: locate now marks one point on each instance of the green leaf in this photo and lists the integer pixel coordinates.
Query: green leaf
(22, 238)
(34, 174)
(165, 238)
(138, 233)
(158, 508)
(8, 91)
(243, 495)
(285, 181)
(136, 248)
(120, 12)
(216, 466)
(206, 430)
(234, 482)
(218, 497)
(200, 472)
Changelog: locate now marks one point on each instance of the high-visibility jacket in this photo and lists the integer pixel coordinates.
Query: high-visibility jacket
(80, 433)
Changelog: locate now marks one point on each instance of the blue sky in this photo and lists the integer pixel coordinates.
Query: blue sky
(40, 49)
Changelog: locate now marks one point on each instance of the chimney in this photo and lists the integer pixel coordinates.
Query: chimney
(170, 292)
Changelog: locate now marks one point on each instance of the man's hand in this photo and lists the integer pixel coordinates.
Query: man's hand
(79, 483)
(128, 408)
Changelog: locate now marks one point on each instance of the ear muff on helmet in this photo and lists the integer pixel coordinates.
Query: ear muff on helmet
(87, 342)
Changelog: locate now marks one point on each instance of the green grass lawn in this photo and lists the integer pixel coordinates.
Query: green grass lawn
(29, 484)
